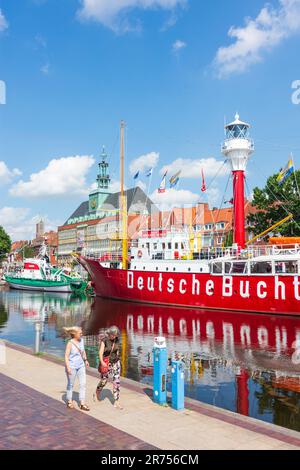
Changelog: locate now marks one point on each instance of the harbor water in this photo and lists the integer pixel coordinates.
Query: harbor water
(245, 363)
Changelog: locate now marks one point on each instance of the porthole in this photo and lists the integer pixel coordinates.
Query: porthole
(174, 269)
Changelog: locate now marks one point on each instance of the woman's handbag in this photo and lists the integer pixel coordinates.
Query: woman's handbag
(101, 368)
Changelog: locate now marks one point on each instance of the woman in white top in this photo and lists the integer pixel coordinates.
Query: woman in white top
(76, 362)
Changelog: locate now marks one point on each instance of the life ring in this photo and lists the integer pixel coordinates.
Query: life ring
(140, 254)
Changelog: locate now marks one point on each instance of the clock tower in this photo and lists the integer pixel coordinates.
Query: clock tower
(98, 196)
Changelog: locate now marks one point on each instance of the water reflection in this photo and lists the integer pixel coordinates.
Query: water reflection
(240, 362)
(3, 316)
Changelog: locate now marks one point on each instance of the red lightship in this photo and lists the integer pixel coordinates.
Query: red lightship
(261, 279)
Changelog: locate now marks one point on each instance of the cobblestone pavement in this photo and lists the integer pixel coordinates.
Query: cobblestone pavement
(32, 420)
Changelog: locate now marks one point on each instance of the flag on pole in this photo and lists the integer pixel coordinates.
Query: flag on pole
(149, 173)
(136, 175)
(203, 187)
(163, 184)
(174, 180)
(285, 172)
(229, 202)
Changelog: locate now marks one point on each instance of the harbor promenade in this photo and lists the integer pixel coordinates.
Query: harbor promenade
(34, 416)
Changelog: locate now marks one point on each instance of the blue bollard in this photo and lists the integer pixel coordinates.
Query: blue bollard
(160, 360)
(178, 385)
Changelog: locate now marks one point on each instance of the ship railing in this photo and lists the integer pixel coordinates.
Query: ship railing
(206, 253)
(104, 257)
(273, 250)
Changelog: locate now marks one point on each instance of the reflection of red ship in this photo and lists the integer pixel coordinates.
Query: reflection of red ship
(245, 279)
(248, 338)
(249, 343)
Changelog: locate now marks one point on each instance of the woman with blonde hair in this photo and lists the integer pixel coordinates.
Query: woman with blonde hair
(76, 362)
(110, 365)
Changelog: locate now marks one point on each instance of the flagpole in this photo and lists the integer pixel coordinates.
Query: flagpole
(145, 205)
(123, 202)
(295, 176)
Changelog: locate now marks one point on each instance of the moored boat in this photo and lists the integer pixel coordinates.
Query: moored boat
(37, 274)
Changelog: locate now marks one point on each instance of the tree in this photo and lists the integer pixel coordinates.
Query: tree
(274, 202)
(229, 239)
(28, 252)
(5, 243)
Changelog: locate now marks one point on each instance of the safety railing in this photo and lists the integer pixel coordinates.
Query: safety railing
(207, 254)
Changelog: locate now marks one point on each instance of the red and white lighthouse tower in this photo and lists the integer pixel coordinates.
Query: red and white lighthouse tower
(237, 149)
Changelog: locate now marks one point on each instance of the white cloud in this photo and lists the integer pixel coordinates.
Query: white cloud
(40, 41)
(213, 196)
(45, 69)
(115, 186)
(62, 176)
(14, 221)
(144, 162)
(267, 30)
(6, 175)
(178, 45)
(3, 22)
(193, 168)
(20, 225)
(112, 13)
(174, 198)
(142, 185)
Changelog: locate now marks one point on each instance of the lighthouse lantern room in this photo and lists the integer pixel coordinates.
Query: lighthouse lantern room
(237, 148)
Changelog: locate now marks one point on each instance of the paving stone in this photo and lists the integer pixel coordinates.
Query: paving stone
(48, 425)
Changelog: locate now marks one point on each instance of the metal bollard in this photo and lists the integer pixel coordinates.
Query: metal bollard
(178, 385)
(160, 371)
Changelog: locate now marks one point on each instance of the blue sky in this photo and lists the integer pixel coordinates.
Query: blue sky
(173, 69)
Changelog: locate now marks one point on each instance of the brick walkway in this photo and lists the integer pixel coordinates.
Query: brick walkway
(34, 416)
(32, 420)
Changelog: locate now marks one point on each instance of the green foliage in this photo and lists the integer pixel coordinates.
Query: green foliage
(274, 202)
(28, 252)
(5, 243)
(229, 239)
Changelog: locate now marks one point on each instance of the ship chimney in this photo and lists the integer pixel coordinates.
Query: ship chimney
(237, 148)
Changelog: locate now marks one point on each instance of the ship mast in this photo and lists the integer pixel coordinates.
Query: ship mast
(123, 202)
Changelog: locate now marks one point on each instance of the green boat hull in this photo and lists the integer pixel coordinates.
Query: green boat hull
(39, 285)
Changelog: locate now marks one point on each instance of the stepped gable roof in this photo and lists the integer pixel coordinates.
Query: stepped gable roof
(137, 201)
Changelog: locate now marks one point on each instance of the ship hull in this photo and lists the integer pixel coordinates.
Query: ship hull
(258, 294)
(38, 285)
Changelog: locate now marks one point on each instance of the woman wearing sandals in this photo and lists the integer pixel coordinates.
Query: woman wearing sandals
(110, 366)
(76, 362)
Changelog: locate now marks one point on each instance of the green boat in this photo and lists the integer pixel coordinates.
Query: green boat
(37, 274)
